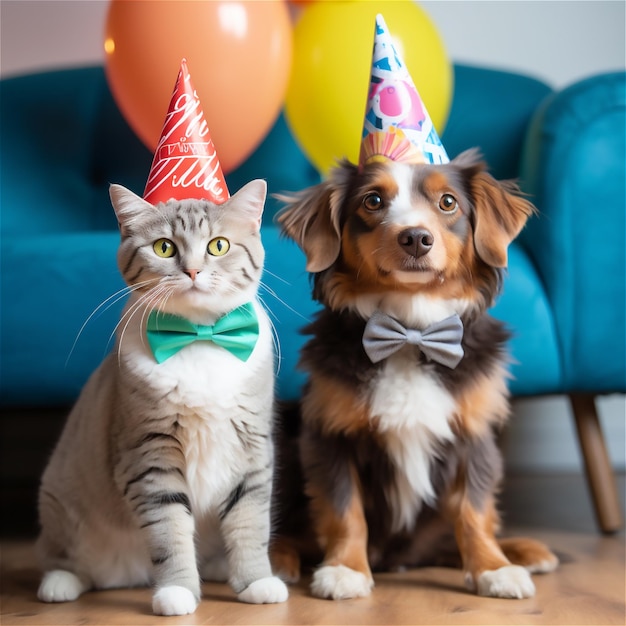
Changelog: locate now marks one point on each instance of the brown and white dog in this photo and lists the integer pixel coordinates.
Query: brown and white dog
(398, 448)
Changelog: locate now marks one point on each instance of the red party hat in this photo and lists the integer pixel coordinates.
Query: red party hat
(185, 163)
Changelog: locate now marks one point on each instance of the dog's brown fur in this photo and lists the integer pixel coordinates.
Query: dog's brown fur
(363, 256)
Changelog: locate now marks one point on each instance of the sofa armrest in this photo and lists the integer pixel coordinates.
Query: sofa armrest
(574, 168)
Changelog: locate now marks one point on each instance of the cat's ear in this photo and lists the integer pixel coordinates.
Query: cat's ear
(251, 198)
(128, 206)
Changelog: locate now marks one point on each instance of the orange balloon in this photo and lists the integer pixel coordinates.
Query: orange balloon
(239, 58)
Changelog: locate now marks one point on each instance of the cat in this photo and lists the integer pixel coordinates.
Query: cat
(155, 454)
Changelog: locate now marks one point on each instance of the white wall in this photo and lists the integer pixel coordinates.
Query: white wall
(46, 34)
(541, 435)
(558, 41)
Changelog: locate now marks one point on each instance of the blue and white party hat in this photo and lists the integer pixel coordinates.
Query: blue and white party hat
(397, 126)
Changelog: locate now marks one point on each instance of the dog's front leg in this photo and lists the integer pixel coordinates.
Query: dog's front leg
(338, 519)
(345, 572)
(487, 570)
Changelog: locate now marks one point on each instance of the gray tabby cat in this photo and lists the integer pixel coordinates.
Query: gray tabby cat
(164, 468)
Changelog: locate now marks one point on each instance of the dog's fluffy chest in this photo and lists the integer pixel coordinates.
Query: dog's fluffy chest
(412, 412)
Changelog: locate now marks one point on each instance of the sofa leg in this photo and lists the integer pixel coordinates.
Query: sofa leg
(600, 476)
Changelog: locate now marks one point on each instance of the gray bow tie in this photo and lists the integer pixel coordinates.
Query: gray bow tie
(440, 342)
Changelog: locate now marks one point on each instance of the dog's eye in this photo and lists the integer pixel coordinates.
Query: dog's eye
(373, 202)
(448, 203)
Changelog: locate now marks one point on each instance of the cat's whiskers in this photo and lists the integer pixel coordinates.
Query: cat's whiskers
(145, 303)
(169, 287)
(274, 295)
(104, 306)
(142, 305)
(158, 303)
(160, 306)
(276, 276)
(275, 337)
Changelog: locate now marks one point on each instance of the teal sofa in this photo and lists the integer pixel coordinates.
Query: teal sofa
(64, 140)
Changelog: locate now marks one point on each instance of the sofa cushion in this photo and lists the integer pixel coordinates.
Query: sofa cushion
(56, 282)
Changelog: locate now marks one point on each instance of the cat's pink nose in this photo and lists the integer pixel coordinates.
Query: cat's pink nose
(192, 273)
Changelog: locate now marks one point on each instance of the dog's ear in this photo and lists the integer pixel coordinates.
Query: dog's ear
(312, 218)
(501, 213)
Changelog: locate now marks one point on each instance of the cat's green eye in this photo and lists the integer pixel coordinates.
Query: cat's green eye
(164, 248)
(218, 246)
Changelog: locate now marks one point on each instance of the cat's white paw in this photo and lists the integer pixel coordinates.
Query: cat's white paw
(511, 581)
(215, 570)
(265, 591)
(339, 582)
(60, 586)
(173, 600)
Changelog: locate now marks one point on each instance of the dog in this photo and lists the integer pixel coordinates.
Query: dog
(407, 375)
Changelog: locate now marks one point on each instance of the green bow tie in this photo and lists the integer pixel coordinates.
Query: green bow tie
(236, 331)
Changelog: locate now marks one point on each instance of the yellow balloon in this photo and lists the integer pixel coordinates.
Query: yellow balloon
(331, 62)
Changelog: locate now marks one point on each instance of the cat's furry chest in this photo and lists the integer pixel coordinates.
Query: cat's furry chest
(214, 458)
(208, 397)
(202, 377)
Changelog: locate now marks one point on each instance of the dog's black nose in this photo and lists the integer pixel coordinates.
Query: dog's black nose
(416, 241)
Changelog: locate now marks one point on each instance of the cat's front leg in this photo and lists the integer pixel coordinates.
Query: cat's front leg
(245, 519)
(157, 493)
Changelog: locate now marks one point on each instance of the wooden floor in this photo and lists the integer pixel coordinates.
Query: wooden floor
(588, 588)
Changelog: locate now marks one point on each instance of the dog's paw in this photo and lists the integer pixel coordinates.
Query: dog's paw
(174, 600)
(60, 586)
(510, 581)
(339, 582)
(268, 590)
